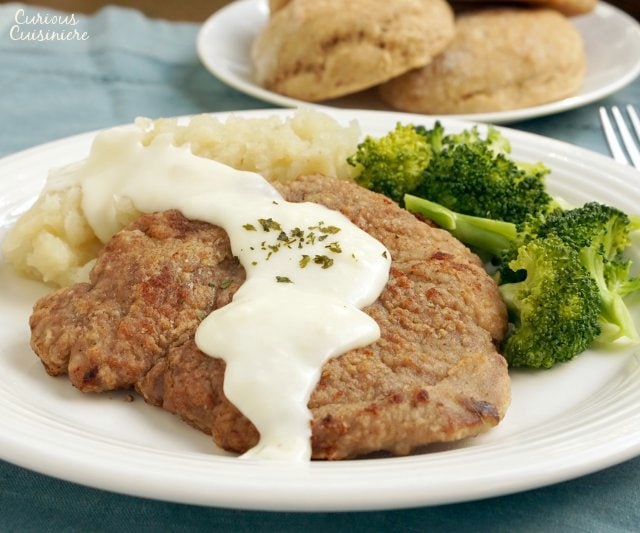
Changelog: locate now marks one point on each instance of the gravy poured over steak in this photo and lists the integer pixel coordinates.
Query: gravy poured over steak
(434, 375)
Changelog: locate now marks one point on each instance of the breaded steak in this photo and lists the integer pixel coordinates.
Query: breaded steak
(434, 375)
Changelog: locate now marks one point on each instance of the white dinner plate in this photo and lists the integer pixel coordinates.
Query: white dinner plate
(611, 37)
(574, 419)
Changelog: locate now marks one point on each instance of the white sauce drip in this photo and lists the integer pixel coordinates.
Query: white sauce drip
(274, 336)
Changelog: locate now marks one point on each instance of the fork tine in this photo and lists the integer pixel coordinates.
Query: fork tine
(612, 139)
(627, 139)
(634, 120)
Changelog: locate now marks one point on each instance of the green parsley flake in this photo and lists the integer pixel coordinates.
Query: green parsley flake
(299, 238)
(304, 261)
(269, 224)
(334, 247)
(322, 260)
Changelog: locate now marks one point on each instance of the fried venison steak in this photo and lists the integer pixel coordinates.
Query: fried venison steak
(434, 375)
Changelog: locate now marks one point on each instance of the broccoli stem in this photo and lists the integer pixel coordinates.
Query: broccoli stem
(492, 236)
(509, 293)
(634, 223)
(616, 323)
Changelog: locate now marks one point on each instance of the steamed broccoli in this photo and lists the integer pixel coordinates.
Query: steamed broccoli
(465, 172)
(550, 267)
(472, 178)
(600, 234)
(393, 164)
(554, 310)
(493, 237)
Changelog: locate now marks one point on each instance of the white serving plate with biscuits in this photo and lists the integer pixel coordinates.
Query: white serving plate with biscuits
(611, 38)
(565, 422)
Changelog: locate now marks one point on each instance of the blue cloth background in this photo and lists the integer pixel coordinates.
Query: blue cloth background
(131, 66)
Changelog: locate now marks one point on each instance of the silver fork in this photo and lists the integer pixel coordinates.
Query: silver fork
(630, 152)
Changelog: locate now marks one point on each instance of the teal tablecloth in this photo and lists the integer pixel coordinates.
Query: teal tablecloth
(132, 66)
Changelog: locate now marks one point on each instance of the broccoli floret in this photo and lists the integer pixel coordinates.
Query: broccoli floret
(587, 240)
(554, 311)
(593, 224)
(393, 164)
(601, 235)
(473, 179)
(493, 140)
(464, 171)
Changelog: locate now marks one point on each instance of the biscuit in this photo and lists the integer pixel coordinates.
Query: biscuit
(500, 59)
(274, 5)
(567, 7)
(319, 49)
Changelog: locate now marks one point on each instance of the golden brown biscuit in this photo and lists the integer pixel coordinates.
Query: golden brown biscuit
(567, 7)
(274, 5)
(501, 59)
(318, 49)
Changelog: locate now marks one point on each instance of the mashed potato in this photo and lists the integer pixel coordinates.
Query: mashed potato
(53, 241)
